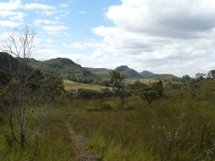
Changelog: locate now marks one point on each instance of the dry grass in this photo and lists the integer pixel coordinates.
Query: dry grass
(70, 85)
(143, 80)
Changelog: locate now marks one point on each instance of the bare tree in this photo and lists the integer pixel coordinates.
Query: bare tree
(26, 108)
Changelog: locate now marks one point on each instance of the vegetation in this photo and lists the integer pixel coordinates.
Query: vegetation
(45, 118)
(177, 126)
(127, 72)
(25, 91)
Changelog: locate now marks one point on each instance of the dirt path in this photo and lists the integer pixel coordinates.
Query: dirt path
(81, 153)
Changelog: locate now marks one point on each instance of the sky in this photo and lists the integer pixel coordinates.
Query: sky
(174, 37)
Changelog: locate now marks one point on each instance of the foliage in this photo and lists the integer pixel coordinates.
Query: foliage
(137, 87)
(148, 94)
(116, 79)
(186, 79)
(211, 74)
(175, 127)
(126, 71)
(93, 94)
(52, 86)
(200, 76)
(118, 85)
(158, 87)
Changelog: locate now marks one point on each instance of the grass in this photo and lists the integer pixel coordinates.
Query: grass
(70, 85)
(143, 80)
(51, 141)
(177, 127)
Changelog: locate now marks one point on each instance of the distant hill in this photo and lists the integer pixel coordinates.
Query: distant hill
(147, 74)
(128, 72)
(102, 72)
(163, 77)
(68, 69)
(8, 62)
(62, 67)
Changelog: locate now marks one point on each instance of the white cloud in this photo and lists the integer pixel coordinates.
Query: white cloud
(64, 5)
(8, 24)
(83, 45)
(12, 15)
(82, 12)
(164, 36)
(54, 29)
(62, 13)
(37, 6)
(9, 14)
(98, 54)
(9, 6)
(47, 22)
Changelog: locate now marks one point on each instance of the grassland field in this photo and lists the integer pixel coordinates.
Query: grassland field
(177, 127)
(71, 85)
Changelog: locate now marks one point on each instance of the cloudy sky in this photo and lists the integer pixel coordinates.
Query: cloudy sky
(167, 36)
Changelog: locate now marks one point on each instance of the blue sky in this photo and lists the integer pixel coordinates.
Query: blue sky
(176, 37)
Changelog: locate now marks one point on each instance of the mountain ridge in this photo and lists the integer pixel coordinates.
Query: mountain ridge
(68, 69)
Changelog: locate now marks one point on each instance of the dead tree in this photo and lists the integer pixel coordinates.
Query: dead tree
(26, 108)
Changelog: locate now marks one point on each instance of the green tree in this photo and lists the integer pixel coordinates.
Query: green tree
(148, 94)
(200, 76)
(186, 79)
(52, 86)
(118, 85)
(137, 87)
(158, 87)
(211, 74)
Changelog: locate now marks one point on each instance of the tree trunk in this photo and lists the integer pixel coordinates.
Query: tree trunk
(122, 100)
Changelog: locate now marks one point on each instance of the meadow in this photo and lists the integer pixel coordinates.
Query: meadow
(180, 126)
(71, 85)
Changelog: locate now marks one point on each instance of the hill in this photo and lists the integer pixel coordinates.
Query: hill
(62, 67)
(68, 69)
(163, 77)
(147, 74)
(102, 72)
(128, 72)
(8, 62)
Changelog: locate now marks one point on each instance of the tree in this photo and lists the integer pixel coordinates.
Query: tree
(118, 85)
(211, 74)
(158, 87)
(148, 94)
(137, 87)
(52, 86)
(187, 79)
(25, 109)
(200, 76)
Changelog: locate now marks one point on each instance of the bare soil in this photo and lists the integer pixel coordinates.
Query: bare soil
(81, 153)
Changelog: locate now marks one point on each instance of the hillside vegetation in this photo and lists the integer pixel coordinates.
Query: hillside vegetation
(62, 67)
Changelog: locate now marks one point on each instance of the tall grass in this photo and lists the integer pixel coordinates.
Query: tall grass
(51, 141)
(178, 127)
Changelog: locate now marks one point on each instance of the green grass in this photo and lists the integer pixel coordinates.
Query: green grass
(177, 127)
(51, 141)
